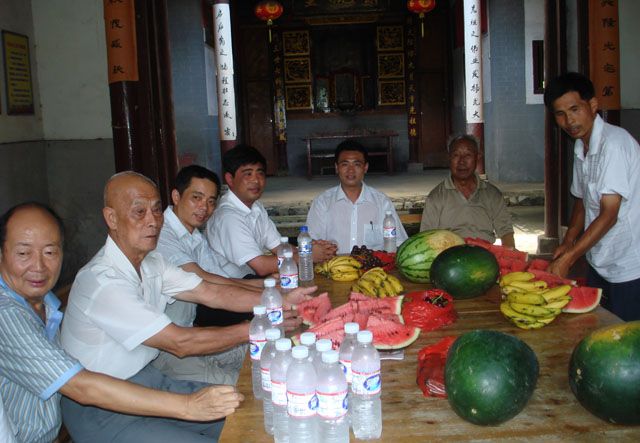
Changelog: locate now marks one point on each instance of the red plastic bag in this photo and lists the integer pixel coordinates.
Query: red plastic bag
(428, 310)
(431, 361)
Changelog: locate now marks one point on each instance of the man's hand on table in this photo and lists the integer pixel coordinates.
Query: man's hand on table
(213, 403)
(291, 318)
(323, 250)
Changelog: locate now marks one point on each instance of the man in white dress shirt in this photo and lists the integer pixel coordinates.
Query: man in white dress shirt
(352, 213)
(240, 230)
(606, 186)
(115, 321)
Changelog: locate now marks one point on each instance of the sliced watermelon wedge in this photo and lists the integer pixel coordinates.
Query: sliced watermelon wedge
(389, 334)
(314, 309)
(583, 299)
(552, 280)
(538, 263)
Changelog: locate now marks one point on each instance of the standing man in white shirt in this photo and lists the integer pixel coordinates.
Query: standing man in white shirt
(606, 186)
(181, 243)
(115, 322)
(352, 213)
(240, 230)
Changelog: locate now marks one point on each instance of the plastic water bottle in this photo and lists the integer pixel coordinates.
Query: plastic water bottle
(323, 345)
(305, 249)
(347, 347)
(288, 273)
(332, 391)
(284, 246)
(266, 359)
(272, 300)
(301, 397)
(308, 339)
(389, 232)
(366, 409)
(257, 340)
(279, 367)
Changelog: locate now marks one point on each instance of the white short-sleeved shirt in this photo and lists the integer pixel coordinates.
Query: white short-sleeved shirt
(239, 234)
(111, 311)
(180, 247)
(6, 431)
(611, 166)
(332, 216)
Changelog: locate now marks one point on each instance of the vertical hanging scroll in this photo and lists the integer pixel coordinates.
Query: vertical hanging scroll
(122, 52)
(473, 62)
(224, 66)
(412, 108)
(604, 52)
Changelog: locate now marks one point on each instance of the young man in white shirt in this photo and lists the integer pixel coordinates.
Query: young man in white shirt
(352, 213)
(606, 186)
(240, 230)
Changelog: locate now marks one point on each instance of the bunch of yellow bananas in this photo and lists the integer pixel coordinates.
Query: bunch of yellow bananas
(529, 303)
(340, 268)
(377, 283)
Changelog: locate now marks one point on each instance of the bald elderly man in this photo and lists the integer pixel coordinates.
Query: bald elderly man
(116, 322)
(34, 370)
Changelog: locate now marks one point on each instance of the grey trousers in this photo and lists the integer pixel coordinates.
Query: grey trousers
(94, 425)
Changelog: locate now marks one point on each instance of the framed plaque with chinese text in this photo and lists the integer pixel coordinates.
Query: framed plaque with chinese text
(297, 70)
(390, 38)
(298, 97)
(390, 65)
(295, 43)
(17, 73)
(391, 93)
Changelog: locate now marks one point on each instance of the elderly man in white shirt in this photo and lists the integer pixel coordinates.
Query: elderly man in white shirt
(240, 230)
(115, 321)
(352, 213)
(194, 198)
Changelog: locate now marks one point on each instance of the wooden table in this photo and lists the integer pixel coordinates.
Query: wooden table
(344, 135)
(552, 414)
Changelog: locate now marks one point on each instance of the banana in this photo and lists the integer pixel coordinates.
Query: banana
(506, 309)
(515, 276)
(529, 298)
(388, 287)
(344, 276)
(557, 292)
(547, 320)
(374, 277)
(558, 303)
(533, 310)
(343, 268)
(397, 286)
(534, 325)
(344, 259)
(381, 292)
(367, 287)
(529, 285)
(508, 289)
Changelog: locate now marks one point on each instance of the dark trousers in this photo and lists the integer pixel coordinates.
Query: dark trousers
(623, 299)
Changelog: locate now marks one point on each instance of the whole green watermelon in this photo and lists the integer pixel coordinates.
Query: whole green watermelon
(489, 376)
(604, 373)
(465, 271)
(415, 255)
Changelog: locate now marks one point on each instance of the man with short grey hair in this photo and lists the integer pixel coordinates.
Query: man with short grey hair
(464, 203)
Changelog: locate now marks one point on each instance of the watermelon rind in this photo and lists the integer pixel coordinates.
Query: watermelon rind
(415, 255)
(604, 373)
(489, 376)
(389, 334)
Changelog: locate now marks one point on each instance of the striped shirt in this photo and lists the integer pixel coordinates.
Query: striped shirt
(33, 367)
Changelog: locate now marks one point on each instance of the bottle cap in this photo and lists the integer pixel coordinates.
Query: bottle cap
(288, 254)
(272, 334)
(259, 310)
(351, 328)
(304, 229)
(387, 213)
(330, 356)
(323, 345)
(365, 336)
(283, 344)
(307, 338)
(284, 239)
(300, 352)
(269, 282)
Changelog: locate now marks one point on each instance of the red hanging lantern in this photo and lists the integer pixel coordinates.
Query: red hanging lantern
(269, 11)
(421, 7)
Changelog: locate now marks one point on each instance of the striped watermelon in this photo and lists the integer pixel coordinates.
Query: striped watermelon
(415, 255)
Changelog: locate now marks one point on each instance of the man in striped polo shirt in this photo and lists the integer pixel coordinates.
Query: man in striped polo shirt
(34, 370)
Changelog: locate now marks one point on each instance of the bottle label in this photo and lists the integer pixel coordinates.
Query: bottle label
(289, 281)
(275, 315)
(346, 369)
(256, 343)
(332, 405)
(302, 405)
(304, 248)
(366, 383)
(389, 232)
(266, 379)
(280, 260)
(279, 393)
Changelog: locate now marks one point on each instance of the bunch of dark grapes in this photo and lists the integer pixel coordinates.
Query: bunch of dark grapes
(365, 256)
